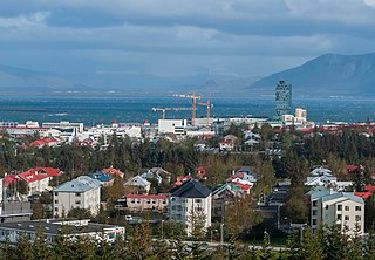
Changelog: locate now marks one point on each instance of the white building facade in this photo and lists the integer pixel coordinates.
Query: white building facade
(82, 192)
(190, 205)
(329, 208)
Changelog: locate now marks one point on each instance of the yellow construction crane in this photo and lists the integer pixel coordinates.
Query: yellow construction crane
(163, 109)
(194, 103)
(208, 112)
(194, 99)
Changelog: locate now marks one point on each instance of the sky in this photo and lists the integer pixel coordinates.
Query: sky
(180, 37)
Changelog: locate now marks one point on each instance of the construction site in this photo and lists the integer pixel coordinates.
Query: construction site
(196, 102)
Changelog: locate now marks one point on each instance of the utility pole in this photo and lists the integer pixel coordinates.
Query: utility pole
(221, 234)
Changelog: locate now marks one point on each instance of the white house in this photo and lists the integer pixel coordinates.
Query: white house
(37, 179)
(228, 143)
(330, 208)
(82, 192)
(323, 177)
(138, 185)
(190, 206)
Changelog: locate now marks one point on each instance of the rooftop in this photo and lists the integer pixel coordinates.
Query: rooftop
(80, 184)
(55, 226)
(34, 174)
(101, 176)
(191, 189)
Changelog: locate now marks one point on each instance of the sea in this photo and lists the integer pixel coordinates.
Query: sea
(106, 109)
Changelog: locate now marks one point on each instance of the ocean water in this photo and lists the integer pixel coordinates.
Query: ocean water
(93, 110)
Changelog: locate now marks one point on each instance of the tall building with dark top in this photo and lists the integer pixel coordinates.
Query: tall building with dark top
(283, 99)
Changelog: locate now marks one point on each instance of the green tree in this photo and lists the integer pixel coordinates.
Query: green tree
(295, 208)
(40, 248)
(79, 213)
(24, 248)
(311, 247)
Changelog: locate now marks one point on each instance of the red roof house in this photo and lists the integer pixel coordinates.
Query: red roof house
(37, 178)
(113, 172)
(45, 141)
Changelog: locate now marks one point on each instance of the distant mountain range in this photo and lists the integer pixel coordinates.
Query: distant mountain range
(15, 81)
(329, 74)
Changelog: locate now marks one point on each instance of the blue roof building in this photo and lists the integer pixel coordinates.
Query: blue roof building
(101, 176)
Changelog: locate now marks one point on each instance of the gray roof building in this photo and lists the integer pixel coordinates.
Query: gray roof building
(191, 189)
(80, 184)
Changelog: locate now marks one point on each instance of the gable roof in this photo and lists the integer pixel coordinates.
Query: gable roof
(101, 176)
(113, 171)
(227, 186)
(138, 181)
(191, 189)
(80, 184)
(33, 174)
(364, 195)
(346, 195)
(326, 195)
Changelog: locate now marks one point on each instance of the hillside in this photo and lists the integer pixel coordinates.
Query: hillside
(329, 74)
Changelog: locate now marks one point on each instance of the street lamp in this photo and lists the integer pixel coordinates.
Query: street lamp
(162, 229)
(221, 234)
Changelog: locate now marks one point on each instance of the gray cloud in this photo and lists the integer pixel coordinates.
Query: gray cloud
(243, 37)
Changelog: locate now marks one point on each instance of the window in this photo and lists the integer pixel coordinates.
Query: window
(56, 194)
(314, 212)
(153, 201)
(314, 221)
(346, 208)
(198, 200)
(78, 194)
(56, 201)
(138, 202)
(78, 202)
(326, 207)
(347, 217)
(56, 209)
(339, 207)
(358, 208)
(147, 201)
(314, 203)
(132, 201)
(339, 216)
(357, 217)
(198, 209)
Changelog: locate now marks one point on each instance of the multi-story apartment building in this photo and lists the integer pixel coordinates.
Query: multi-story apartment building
(330, 208)
(190, 206)
(283, 99)
(150, 202)
(82, 192)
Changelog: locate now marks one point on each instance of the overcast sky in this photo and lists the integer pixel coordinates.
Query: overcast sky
(180, 37)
